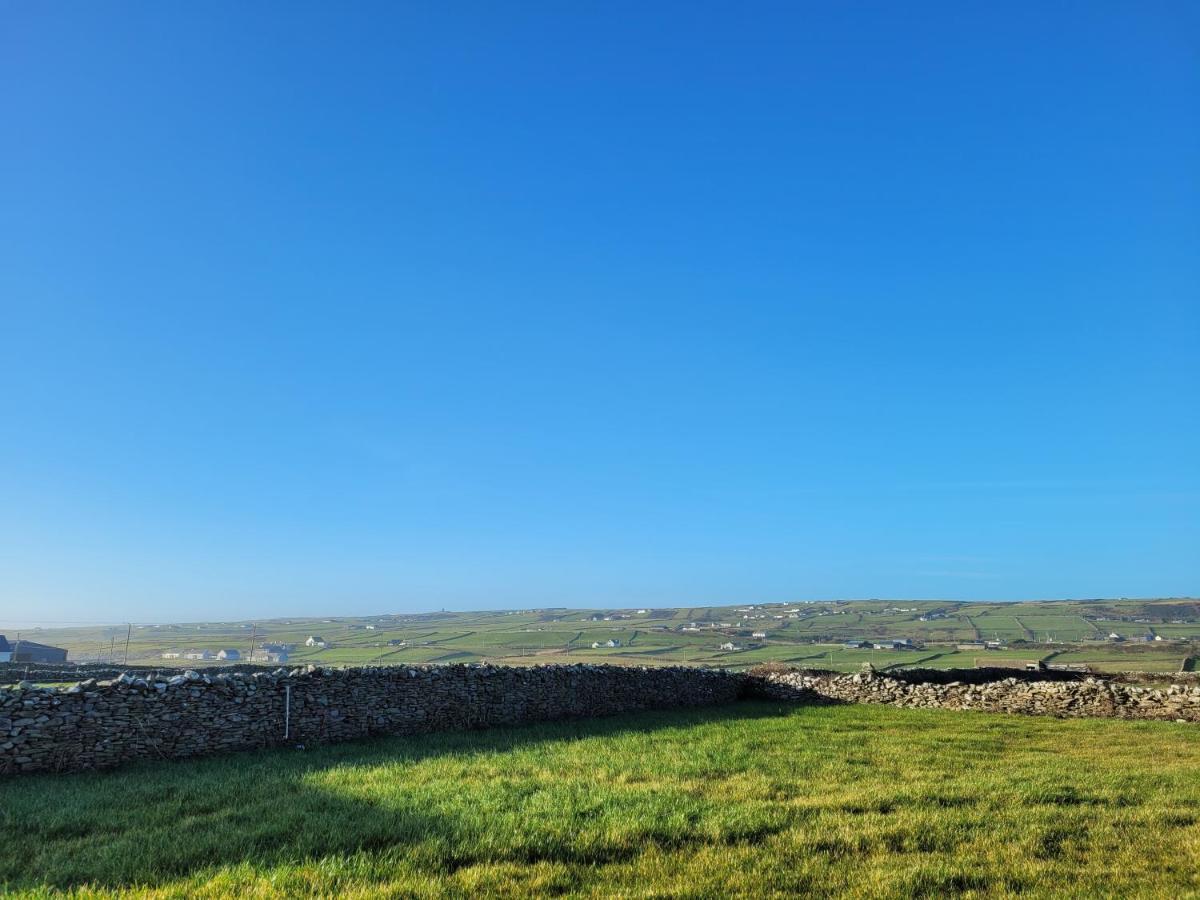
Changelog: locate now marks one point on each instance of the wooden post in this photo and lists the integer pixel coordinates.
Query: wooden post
(128, 634)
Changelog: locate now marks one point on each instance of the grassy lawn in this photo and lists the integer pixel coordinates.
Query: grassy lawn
(749, 799)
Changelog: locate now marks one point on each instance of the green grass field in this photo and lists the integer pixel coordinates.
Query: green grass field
(1145, 658)
(746, 800)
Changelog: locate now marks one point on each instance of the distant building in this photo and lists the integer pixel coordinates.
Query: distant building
(316, 641)
(856, 645)
(759, 634)
(893, 644)
(30, 652)
(1113, 636)
(973, 645)
(370, 628)
(263, 655)
(229, 653)
(172, 654)
(5, 650)
(198, 654)
(728, 645)
(397, 642)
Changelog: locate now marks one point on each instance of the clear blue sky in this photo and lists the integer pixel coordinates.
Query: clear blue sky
(350, 308)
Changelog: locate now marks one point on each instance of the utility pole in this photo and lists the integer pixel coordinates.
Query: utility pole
(128, 634)
(253, 633)
(112, 643)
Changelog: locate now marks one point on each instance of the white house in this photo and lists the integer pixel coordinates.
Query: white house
(198, 654)
(315, 641)
(172, 654)
(759, 634)
(229, 653)
(728, 645)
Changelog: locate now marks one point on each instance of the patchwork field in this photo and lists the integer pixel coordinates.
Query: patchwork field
(801, 633)
(747, 800)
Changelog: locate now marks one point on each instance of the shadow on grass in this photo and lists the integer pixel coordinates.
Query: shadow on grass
(153, 823)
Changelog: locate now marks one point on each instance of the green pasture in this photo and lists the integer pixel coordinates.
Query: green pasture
(752, 799)
(1107, 659)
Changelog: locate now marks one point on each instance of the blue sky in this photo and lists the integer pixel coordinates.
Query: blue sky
(329, 308)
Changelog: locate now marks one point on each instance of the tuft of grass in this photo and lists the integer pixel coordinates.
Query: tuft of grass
(750, 799)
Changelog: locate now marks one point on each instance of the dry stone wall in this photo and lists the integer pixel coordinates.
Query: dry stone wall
(13, 673)
(99, 724)
(1087, 697)
(138, 716)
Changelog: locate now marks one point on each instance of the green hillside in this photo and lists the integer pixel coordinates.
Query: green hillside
(804, 633)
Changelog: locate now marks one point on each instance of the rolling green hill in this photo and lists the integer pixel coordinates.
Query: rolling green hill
(804, 633)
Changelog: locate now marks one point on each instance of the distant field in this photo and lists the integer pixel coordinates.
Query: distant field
(748, 800)
(997, 627)
(800, 633)
(1104, 659)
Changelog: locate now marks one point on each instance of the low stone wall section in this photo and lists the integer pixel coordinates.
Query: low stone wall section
(1063, 698)
(99, 724)
(14, 673)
